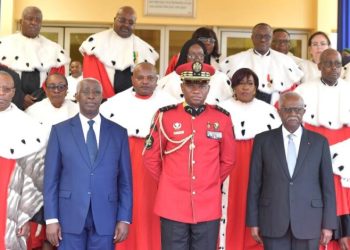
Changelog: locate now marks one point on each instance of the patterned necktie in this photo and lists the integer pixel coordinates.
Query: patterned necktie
(91, 142)
(291, 154)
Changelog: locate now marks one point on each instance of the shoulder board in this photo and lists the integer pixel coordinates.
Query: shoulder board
(166, 108)
(222, 110)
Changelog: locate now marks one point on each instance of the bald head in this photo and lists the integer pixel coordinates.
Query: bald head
(262, 37)
(330, 66)
(7, 90)
(329, 52)
(124, 21)
(31, 21)
(291, 110)
(144, 79)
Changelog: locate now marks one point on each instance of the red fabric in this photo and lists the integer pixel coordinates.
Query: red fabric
(95, 69)
(36, 242)
(238, 236)
(171, 65)
(144, 233)
(6, 166)
(332, 245)
(189, 188)
(342, 194)
(61, 70)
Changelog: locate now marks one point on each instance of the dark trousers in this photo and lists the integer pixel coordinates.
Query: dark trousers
(88, 239)
(184, 236)
(289, 242)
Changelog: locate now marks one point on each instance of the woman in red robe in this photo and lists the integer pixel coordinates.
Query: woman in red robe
(250, 116)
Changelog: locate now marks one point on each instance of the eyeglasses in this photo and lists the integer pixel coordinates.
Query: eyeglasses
(329, 64)
(281, 42)
(207, 40)
(260, 37)
(148, 78)
(293, 109)
(321, 44)
(57, 87)
(6, 90)
(193, 56)
(123, 20)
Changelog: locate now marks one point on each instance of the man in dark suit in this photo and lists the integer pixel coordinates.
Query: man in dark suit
(87, 182)
(291, 199)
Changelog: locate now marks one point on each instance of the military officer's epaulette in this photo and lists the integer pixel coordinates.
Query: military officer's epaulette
(166, 108)
(222, 110)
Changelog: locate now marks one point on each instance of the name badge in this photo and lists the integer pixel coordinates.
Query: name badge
(214, 135)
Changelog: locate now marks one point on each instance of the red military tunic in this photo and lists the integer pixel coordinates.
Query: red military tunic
(190, 152)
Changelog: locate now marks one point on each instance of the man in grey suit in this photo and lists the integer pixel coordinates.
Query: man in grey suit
(291, 198)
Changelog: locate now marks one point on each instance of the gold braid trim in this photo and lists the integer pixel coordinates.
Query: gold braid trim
(181, 142)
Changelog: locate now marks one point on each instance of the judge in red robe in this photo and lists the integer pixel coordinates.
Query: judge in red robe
(111, 55)
(250, 116)
(134, 109)
(328, 113)
(21, 169)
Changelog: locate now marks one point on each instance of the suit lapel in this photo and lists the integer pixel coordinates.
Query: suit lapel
(280, 152)
(303, 149)
(104, 139)
(78, 136)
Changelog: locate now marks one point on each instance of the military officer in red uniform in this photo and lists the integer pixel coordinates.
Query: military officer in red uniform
(190, 151)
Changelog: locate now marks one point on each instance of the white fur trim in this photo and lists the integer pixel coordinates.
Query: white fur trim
(279, 68)
(116, 52)
(48, 115)
(27, 54)
(133, 113)
(341, 161)
(251, 118)
(20, 134)
(327, 106)
(220, 87)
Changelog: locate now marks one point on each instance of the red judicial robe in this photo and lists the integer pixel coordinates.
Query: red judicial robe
(135, 113)
(328, 113)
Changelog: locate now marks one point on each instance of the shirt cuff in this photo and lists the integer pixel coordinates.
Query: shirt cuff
(51, 221)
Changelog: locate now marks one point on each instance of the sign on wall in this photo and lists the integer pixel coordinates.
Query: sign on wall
(181, 8)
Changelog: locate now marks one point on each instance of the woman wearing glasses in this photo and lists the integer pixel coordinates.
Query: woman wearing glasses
(208, 37)
(318, 42)
(195, 51)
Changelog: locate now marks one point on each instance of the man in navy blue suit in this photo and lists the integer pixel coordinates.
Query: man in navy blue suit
(87, 181)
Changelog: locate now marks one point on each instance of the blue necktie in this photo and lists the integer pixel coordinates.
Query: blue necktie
(91, 142)
(291, 154)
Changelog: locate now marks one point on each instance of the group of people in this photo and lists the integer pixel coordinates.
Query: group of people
(244, 152)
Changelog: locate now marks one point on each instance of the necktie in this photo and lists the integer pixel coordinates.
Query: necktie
(291, 154)
(91, 142)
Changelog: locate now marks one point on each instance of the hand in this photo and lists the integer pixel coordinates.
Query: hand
(24, 230)
(326, 236)
(121, 232)
(256, 234)
(344, 243)
(28, 100)
(54, 234)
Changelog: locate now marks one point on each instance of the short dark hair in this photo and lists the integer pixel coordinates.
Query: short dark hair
(208, 33)
(184, 51)
(239, 75)
(316, 34)
(280, 30)
(57, 74)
